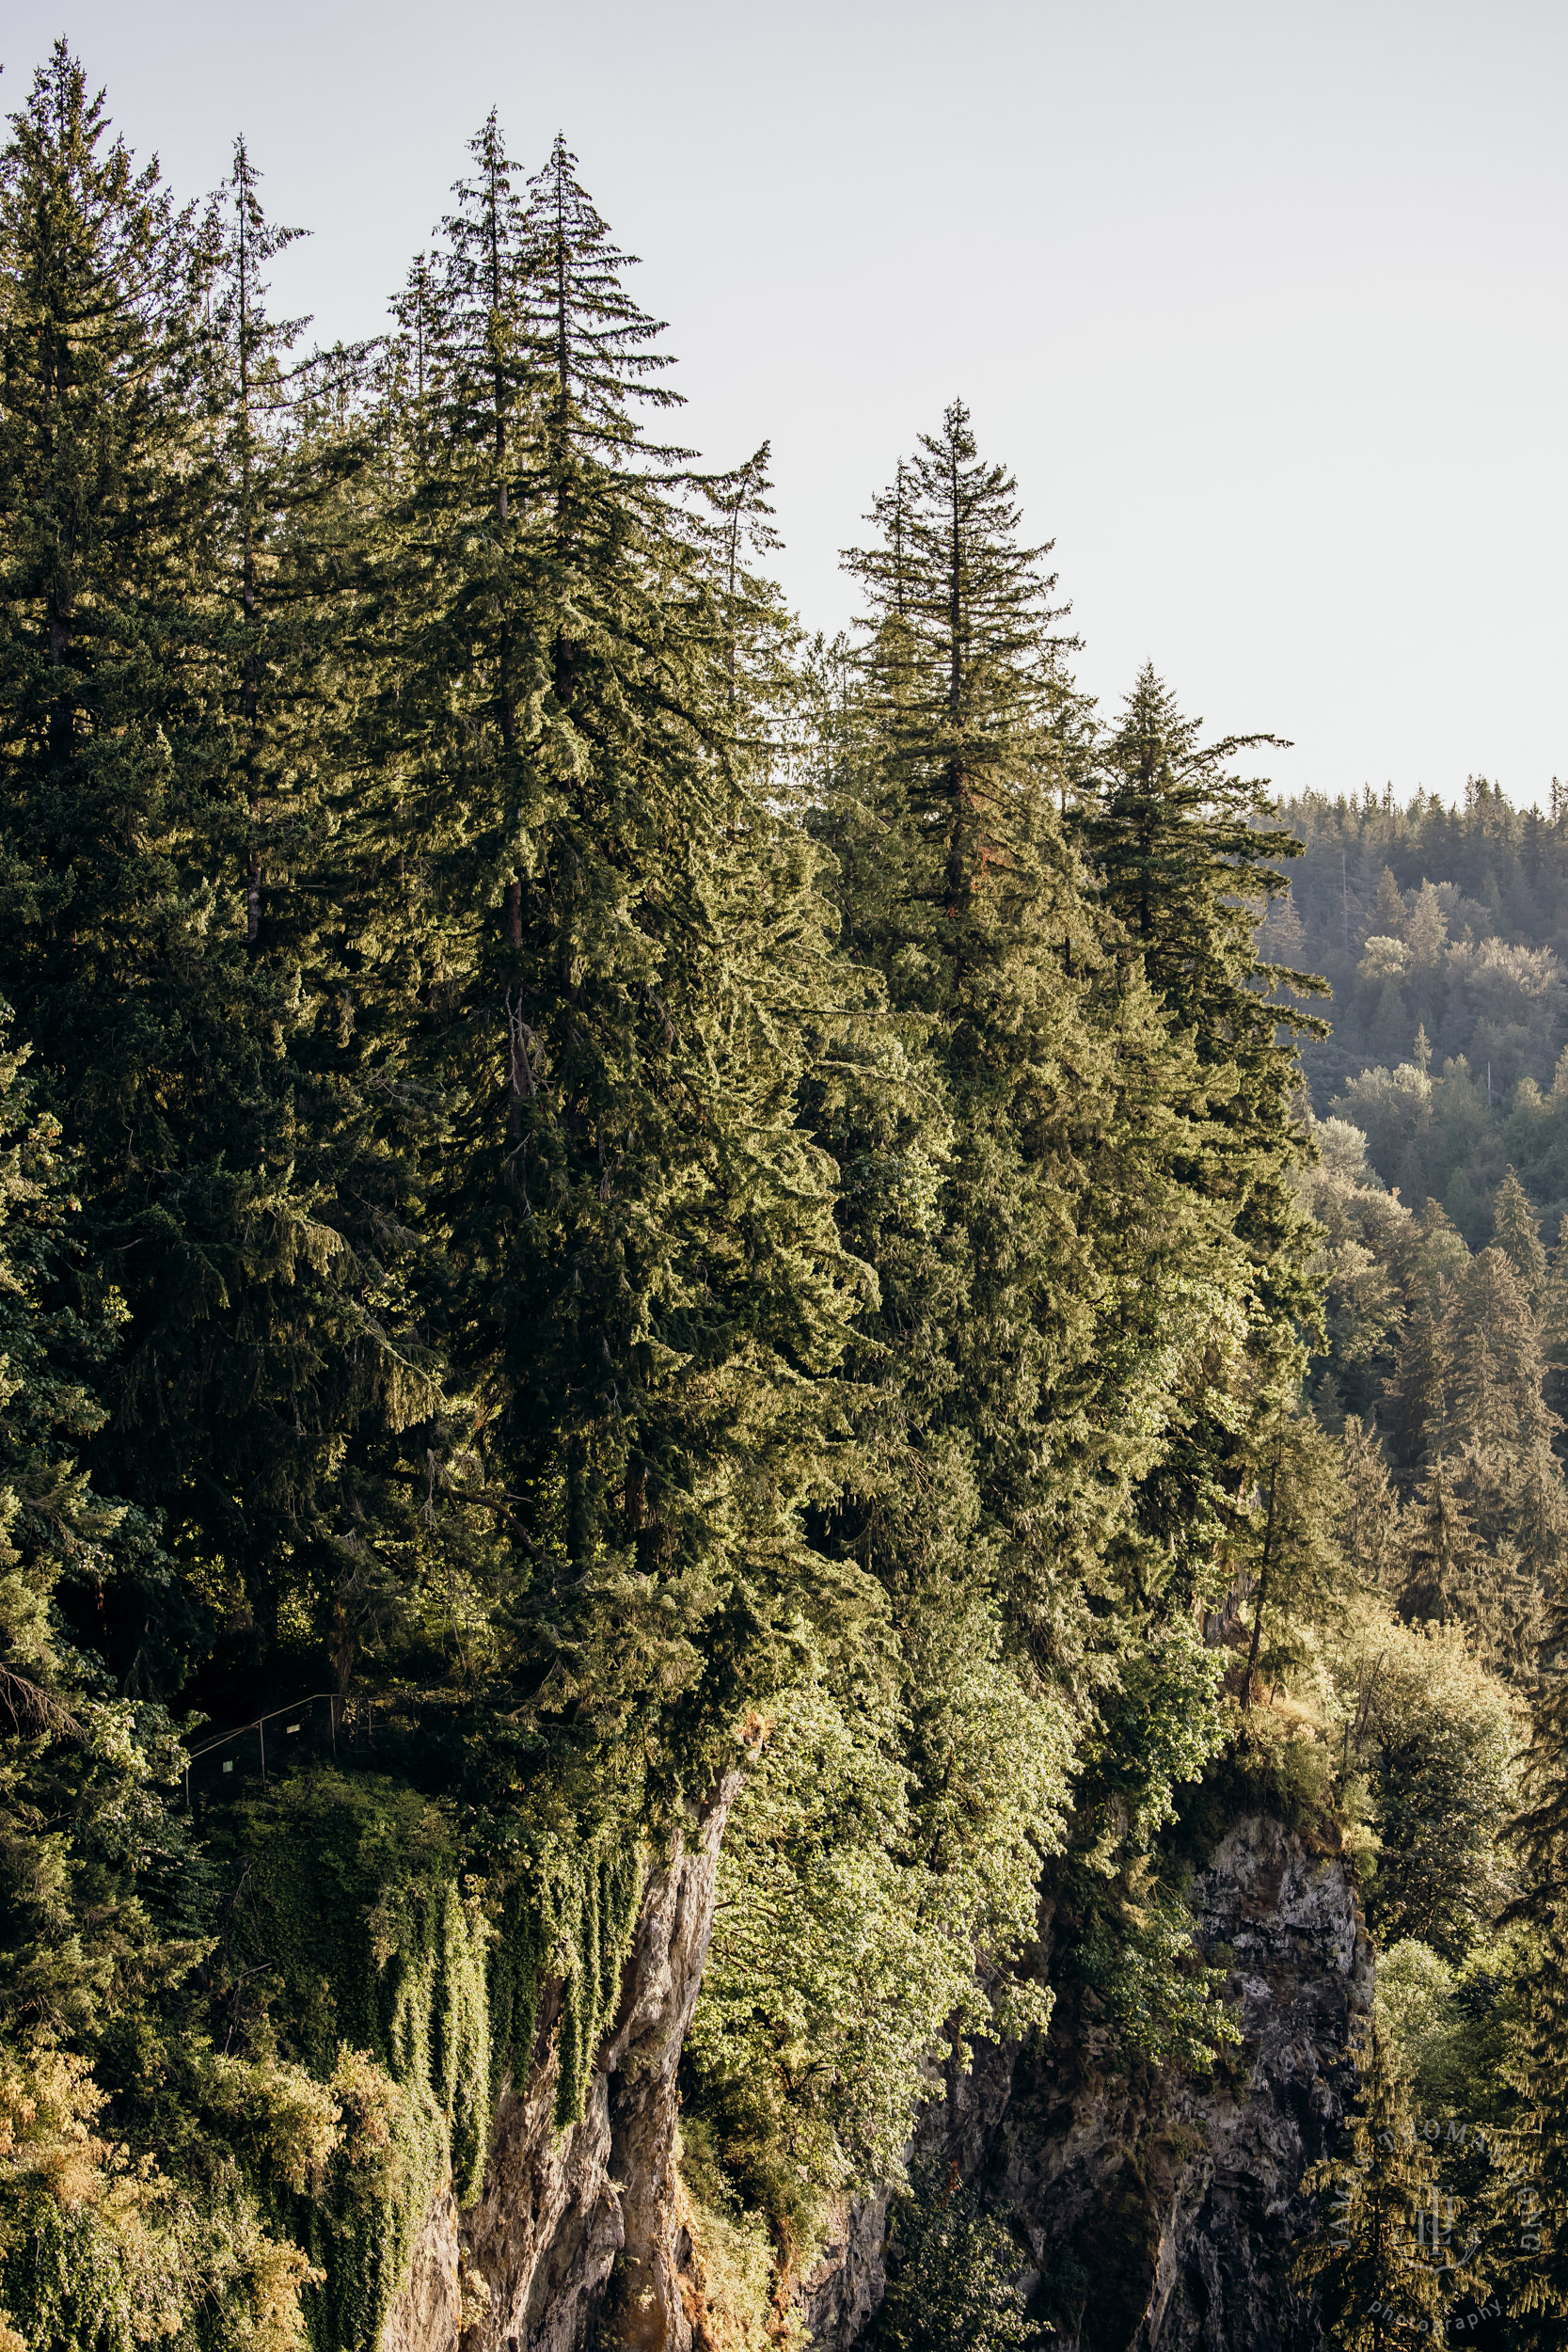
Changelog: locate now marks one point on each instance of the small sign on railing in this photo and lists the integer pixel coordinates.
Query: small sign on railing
(324, 1723)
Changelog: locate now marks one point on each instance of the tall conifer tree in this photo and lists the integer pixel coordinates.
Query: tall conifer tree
(1540, 2265)
(1189, 864)
(1517, 1229)
(251, 351)
(645, 1262)
(131, 720)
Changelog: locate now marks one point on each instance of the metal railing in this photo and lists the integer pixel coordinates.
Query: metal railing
(293, 1718)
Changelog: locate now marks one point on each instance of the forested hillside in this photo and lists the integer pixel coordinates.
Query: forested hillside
(628, 1234)
(1442, 931)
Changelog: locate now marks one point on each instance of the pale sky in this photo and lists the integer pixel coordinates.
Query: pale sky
(1263, 304)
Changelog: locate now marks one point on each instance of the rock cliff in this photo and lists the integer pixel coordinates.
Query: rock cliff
(577, 2229)
(1159, 2215)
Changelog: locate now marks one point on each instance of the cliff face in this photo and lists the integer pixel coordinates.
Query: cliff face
(529, 2268)
(1159, 2217)
(1164, 2217)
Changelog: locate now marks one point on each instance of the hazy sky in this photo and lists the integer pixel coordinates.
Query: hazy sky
(1263, 304)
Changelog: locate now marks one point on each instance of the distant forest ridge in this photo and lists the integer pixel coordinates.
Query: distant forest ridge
(1443, 933)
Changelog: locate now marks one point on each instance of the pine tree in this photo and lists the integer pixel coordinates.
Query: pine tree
(105, 1898)
(1417, 1395)
(1517, 1231)
(1059, 1349)
(1188, 867)
(104, 284)
(1370, 1531)
(743, 531)
(1539, 1514)
(104, 720)
(250, 392)
(251, 1348)
(1185, 859)
(970, 689)
(54, 1531)
(1292, 1557)
(1442, 1552)
(616, 933)
(1553, 1310)
(1426, 931)
(1540, 2249)
(1365, 2264)
(1499, 1366)
(963, 890)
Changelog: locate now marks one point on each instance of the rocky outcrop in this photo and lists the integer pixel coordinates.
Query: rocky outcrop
(578, 2227)
(1162, 2215)
(428, 2316)
(1159, 2214)
(1301, 1967)
(842, 2295)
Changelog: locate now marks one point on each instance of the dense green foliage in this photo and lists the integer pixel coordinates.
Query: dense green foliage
(626, 1196)
(950, 2273)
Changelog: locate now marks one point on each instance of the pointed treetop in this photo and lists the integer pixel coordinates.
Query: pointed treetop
(741, 500)
(246, 244)
(484, 236)
(949, 562)
(1518, 1236)
(590, 339)
(56, 137)
(1517, 1231)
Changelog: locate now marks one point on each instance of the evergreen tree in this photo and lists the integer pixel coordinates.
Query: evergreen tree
(743, 531)
(968, 690)
(1539, 1514)
(249, 390)
(108, 2230)
(1554, 1319)
(962, 889)
(1540, 2251)
(1517, 1229)
(669, 1201)
(1500, 1367)
(619, 933)
(252, 1349)
(1417, 1393)
(95, 1874)
(1442, 1552)
(1186, 865)
(1366, 2264)
(1292, 1556)
(1372, 1511)
(104, 717)
(1439, 1731)
(53, 1529)
(1058, 1347)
